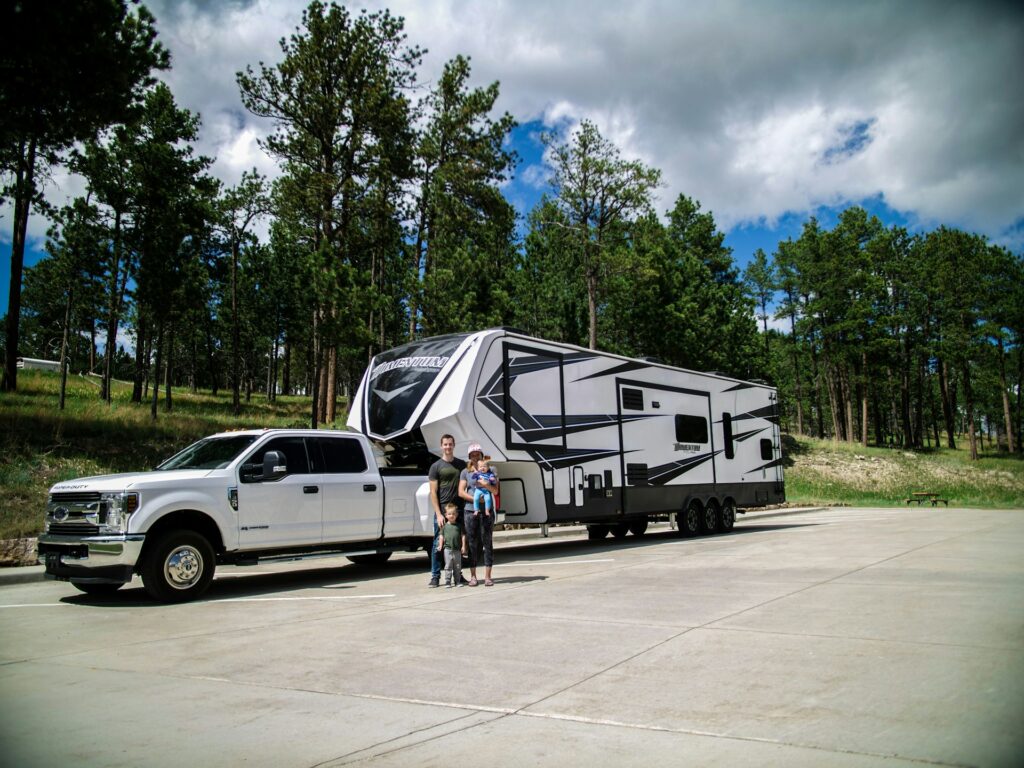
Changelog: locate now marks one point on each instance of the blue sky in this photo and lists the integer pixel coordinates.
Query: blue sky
(766, 112)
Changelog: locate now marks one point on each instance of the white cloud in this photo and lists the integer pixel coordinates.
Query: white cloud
(737, 103)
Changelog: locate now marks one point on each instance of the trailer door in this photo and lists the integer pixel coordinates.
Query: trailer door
(671, 444)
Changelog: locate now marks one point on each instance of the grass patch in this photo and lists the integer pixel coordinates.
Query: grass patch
(827, 472)
(43, 445)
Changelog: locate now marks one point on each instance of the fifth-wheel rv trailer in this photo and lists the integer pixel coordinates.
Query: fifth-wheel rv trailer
(579, 435)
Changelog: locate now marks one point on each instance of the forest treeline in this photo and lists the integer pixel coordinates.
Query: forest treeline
(387, 223)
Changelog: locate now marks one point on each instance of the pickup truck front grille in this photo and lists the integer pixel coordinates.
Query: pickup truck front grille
(73, 529)
(75, 498)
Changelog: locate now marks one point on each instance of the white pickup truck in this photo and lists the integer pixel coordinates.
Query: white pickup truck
(236, 497)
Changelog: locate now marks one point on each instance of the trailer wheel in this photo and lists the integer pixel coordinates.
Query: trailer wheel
(619, 530)
(727, 519)
(689, 524)
(97, 590)
(178, 567)
(709, 520)
(597, 532)
(371, 560)
(638, 527)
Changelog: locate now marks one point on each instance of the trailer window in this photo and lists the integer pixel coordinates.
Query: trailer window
(691, 429)
(730, 451)
(766, 450)
(400, 378)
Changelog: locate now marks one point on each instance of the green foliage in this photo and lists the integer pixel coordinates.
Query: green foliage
(67, 70)
(43, 445)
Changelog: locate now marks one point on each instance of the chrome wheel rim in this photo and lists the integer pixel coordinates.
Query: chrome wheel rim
(183, 567)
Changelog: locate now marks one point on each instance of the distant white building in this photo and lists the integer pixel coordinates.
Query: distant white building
(32, 363)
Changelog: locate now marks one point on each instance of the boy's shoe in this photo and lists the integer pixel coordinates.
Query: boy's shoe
(435, 581)
(448, 585)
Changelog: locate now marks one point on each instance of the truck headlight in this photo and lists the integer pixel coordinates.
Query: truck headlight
(115, 509)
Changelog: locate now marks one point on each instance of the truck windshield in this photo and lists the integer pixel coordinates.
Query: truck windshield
(401, 376)
(209, 453)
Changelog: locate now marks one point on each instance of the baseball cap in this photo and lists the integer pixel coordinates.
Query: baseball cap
(474, 448)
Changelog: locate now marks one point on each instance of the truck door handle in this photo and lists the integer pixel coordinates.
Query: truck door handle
(310, 489)
(369, 487)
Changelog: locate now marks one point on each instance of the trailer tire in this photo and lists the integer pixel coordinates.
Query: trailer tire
(597, 532)
(96, 590)
(709, 520)
(178, 567)
(638, 527)
(375, 559)
(619, 530)
(689, 522)
(727, 517)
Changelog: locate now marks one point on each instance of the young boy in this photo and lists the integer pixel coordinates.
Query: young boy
(452, 542)
(482, 498)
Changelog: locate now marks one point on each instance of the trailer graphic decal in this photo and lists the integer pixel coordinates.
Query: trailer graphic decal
(668, 472)
(768, 413)
(532, 428)
(739, 437)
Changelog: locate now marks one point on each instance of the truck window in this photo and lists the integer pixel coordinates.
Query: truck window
(294, 450)
(209, 453)
(691, 429)
(342, 455)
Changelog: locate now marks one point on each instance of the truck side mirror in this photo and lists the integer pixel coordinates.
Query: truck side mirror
(274, 466)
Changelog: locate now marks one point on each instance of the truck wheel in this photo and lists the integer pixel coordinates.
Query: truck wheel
(619, 530)
(689, 525)
(709, 520)
(374, 559)
(638, 527)
(597, 532)
(96, 589)
(727, 519)
(178, 567)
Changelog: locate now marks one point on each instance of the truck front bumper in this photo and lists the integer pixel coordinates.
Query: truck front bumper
(90, 559)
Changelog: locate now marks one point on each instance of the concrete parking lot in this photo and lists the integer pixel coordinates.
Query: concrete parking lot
(842, 637)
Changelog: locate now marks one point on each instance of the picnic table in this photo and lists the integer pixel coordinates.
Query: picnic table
(920, 497)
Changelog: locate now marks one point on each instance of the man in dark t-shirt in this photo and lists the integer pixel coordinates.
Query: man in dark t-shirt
(444, 489)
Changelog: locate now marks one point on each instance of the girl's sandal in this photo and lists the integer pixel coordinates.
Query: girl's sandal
(488, 583)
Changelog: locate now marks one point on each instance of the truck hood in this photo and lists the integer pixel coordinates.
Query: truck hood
(130, 481)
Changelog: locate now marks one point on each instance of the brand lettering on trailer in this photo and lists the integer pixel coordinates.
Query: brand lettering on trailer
(429, 363)
(688, 447)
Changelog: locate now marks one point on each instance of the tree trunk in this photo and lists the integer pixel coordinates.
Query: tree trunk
(156, 371)
(1004, 391)
(332, 385)
(864, 400)
(314, 372)
(797, 379)
(947, 405)
(969, 404)
(169, 370)
(24, 189)
(236, 407)
(592, 306)
(64, 346)
(141, 359)
(117, 288)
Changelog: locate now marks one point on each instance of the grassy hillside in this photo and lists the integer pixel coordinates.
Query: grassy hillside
(42, 445)
(826, 472)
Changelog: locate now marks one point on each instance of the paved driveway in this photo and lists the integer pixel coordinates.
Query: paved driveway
(840, 637)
